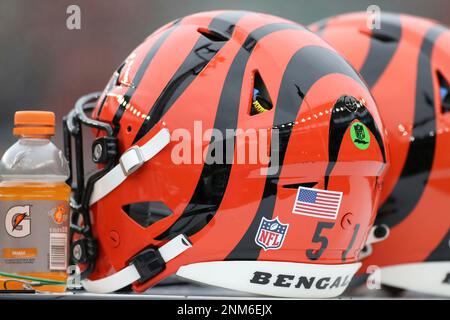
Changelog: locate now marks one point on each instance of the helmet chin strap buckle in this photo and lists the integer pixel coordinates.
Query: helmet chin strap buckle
(132, 160)
(148, 264)
(144, 266)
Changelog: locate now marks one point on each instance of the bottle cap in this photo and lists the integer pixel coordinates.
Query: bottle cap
(34, 123)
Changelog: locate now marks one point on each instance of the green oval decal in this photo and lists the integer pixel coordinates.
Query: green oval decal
(360, 135)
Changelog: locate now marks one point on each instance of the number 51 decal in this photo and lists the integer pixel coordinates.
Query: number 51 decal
(323, 240)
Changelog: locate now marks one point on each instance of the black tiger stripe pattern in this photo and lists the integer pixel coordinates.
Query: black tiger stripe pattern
(441, 252)
(141, 71)
(199, 57)
(214, 178)
(413, 180)
(341, 119)
(416, 170)
(297, 80)
(383, 45)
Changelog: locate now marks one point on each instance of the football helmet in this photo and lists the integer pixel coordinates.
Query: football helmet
(178, 192)
(406, 63)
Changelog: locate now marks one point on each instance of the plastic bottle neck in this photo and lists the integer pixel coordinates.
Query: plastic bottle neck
(35, 137)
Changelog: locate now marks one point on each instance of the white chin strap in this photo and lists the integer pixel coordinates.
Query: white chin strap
(130, 161)
(130, 274)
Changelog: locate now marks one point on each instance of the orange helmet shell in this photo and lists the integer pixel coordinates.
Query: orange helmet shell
(204, 68)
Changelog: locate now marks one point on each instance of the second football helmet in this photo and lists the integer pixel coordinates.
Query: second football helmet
(406, 63)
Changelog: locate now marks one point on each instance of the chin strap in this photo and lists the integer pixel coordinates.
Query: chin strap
(151, 261)
(143, 267)
(130, 161)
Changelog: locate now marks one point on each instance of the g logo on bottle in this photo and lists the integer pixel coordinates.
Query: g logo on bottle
(18, 221)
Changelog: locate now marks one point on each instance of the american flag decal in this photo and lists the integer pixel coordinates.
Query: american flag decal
(317, 203)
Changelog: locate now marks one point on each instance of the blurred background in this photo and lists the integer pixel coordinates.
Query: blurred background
(45, 66)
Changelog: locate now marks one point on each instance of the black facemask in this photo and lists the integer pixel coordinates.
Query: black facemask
(84, 248)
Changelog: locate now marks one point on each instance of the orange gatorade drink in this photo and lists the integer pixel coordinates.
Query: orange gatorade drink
(34, 210)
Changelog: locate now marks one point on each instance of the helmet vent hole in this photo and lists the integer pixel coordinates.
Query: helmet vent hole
(261, 101)
(444, 89)
(129, 129)
(380, 36)
(213, 35)
(297, 185)
(147, 213)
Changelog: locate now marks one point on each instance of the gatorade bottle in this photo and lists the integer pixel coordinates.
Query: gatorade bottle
(34, 210)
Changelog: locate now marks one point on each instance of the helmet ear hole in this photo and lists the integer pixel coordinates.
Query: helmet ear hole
(444, 91)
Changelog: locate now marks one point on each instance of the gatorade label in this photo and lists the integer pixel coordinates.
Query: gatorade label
(34, 236)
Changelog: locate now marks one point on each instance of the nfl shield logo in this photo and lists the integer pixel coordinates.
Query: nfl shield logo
(270, 235)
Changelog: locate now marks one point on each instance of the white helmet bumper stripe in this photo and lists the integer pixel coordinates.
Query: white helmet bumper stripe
(428, 277)
(274, 278)
(130, 274)
(114, 282)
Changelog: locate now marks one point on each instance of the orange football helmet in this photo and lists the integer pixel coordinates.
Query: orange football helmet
(291, 226)
(406, 63)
